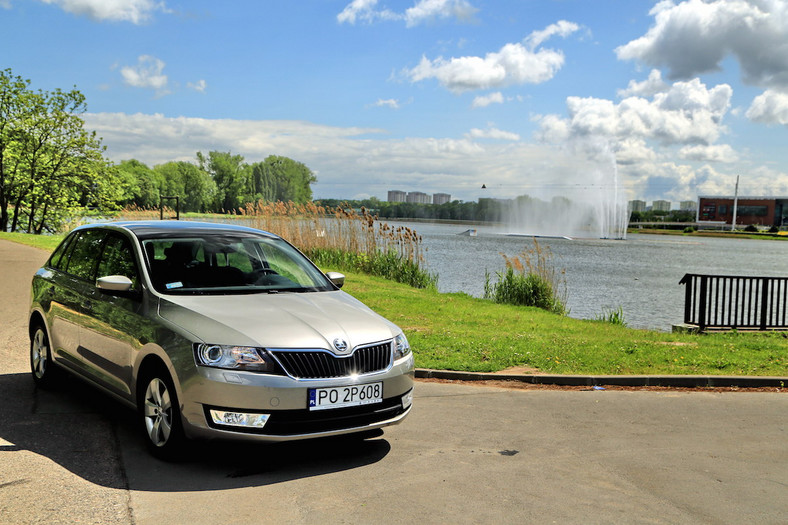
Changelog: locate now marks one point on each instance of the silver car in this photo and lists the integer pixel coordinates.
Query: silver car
(215, 331)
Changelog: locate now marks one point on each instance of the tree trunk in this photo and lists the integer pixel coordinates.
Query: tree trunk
(18, 207)
(41, 224)
(30, 216)
(3, 214)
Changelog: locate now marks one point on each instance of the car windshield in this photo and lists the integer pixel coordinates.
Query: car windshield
(227, 264)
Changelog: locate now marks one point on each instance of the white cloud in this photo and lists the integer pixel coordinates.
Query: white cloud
(146, 74)
(763, 180)
(694, 37)
(492, 133)
(485, 100)
(200, 85)
(389, 103)
(5, 4)
(134, 11)
(427, 10)
(350, 160)
(561, 28)
(633, 151)
(713, 153)
(345, 159)
(678, 182)
(682, 121)
(770, 107)
(513, 64)
(648, 88)
(367, 11)
(686, 113)
(364, 11)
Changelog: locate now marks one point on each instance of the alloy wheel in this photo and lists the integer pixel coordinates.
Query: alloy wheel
(39, 353)
(158, 412)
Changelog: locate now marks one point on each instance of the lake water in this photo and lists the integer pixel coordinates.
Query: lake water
(640, 274)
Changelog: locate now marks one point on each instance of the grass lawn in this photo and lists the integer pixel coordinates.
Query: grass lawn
(781, 236)
(460, 332)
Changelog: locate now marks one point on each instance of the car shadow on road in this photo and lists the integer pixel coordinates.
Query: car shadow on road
(97, 439)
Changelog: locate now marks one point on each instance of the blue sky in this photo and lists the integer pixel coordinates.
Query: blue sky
(647, 100)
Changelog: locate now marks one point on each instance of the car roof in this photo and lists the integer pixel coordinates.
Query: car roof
(150, 229)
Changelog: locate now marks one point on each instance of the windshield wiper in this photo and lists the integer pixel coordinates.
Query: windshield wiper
(292, 290)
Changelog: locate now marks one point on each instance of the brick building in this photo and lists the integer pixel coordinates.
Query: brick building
(759, 211)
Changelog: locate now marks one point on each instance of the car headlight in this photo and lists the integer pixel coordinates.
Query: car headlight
(401, 346)
(246, 358)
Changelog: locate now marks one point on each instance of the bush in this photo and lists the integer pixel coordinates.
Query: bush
(751, 228)
(690, 229)
(530, 279)
(774, 229)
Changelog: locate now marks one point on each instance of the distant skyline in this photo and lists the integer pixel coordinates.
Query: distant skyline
(674, 99)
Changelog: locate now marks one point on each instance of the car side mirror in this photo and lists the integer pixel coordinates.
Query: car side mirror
(337, 278)
(114, 283)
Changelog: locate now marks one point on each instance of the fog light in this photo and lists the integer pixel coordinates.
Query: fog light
(239, 419)
(407, 399)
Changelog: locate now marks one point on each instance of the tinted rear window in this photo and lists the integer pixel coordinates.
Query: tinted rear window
(82, 258)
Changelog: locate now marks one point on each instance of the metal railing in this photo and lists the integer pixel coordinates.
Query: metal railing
(731, 302)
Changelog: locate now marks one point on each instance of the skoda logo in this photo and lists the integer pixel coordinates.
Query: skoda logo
(340, 345)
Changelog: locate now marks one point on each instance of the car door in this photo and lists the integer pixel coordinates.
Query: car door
(70, 283)
(117, 326)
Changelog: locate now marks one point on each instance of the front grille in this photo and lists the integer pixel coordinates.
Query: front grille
(321, 364)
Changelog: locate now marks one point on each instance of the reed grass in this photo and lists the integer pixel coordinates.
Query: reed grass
(615, 316)
(530, 279)
(345, 239)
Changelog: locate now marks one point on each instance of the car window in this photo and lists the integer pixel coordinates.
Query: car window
(230, 264)
(281, 261)
(118, 259)
(56, 259)
(84, 255)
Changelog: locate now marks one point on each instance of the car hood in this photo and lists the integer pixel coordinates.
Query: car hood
(283, 320)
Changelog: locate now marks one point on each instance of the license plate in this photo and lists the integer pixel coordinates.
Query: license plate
(345, 396)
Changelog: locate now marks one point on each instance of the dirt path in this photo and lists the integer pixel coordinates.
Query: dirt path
(18, 263)
(59, 460)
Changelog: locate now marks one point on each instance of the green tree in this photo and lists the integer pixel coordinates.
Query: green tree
(49, 164)
(232, 178)
(196, 189)
(281, 179)
(13, 113)
(142, 185)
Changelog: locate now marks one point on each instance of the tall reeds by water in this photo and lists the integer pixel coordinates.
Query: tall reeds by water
(530, 279)
(346, 239)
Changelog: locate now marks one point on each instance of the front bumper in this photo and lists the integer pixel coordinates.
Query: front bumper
(285, 402)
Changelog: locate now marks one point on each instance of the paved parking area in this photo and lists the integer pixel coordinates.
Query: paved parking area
(467, 454)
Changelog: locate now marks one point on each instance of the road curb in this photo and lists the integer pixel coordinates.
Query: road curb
(696, 381)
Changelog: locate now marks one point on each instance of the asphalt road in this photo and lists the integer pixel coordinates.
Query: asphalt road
(467, 454)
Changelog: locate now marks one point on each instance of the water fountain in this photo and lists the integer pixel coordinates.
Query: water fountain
(582, 196)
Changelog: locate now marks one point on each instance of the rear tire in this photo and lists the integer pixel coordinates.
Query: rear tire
(41, 366)
(160, 416)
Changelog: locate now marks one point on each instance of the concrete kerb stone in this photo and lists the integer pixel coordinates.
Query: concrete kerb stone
(680, 381)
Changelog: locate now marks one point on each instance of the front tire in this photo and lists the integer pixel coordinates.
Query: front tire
(161, 416)
(41, 366)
